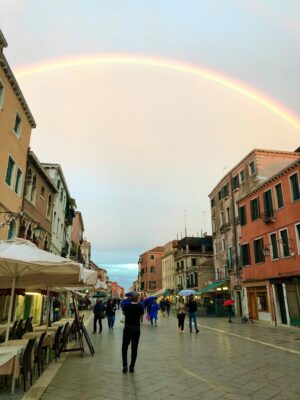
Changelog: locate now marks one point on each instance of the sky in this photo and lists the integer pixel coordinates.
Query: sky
(142, 145)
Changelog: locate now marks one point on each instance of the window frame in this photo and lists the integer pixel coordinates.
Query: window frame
(242, 176)
(276, 195)
(281, 243)
(252, 216)
(18, 132)
(250, 169)
(297, 235)
(249, 254)
(2, 94)
(19, 191)
(256, 254)
(271, 247)
(245, 215)
(293, 200)
(11, 184)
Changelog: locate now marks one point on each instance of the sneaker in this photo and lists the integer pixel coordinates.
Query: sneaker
(131, 370)
(125, 369)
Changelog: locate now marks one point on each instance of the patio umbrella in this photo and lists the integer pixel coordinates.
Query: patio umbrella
(186, 292)
(228, 303)
(23, 265)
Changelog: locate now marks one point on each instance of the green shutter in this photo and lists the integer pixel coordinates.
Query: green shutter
(295, 187)
(274, 246)
(10, 167)
(279, 195)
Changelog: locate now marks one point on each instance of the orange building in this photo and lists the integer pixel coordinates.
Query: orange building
(150, 270)
(270, 248)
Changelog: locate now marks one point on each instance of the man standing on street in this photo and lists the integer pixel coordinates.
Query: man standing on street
(99, 314)
(192, 307)
(131, 333)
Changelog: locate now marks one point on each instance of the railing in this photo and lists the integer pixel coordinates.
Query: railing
(225, 227)
(237, 220)
(268, 216)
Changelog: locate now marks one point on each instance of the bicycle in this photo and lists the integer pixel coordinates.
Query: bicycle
(246, 318)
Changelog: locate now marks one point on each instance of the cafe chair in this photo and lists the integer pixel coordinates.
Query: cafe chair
(38, 358)
(26, 365)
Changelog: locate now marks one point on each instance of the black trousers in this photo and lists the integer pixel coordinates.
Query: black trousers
(181, 318)
(130, 336)
(97, 318)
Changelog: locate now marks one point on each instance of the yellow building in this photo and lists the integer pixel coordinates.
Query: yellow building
(16, 122)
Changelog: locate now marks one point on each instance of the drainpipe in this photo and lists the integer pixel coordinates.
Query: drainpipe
(234, 231)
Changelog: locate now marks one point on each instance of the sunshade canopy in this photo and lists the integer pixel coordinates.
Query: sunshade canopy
(211, 287)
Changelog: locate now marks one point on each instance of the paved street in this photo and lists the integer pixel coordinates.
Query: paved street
(171, 365)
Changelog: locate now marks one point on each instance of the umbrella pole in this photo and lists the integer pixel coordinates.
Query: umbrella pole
(47, 309)
(11, 300)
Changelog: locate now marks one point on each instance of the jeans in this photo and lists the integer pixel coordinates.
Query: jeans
(133, 336)
(193, 317)
(111, 321)
(181, 318)
(97, 318)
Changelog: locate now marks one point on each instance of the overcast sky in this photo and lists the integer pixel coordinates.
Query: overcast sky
(140, 144)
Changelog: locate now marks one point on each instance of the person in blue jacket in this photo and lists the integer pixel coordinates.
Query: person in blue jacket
(153, 312)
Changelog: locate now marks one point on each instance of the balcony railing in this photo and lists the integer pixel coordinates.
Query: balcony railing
(268, 216)
(225, 227)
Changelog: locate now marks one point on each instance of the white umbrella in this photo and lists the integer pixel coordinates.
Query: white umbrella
(186, 292)
(23, 265)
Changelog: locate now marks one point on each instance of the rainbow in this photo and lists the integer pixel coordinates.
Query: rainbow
(170, 65)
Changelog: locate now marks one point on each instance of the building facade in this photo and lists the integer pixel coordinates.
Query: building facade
(270, 248)
(16, 122)
(38, 203)
(150, 270)
(77, 237)
(249, 173)
(63, 212)
(169, 279)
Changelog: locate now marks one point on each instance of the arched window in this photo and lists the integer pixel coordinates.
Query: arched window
(12, 230)
(45, 247)
(49, 206)
(33, 189)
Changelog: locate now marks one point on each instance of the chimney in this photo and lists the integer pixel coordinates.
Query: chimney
(3, 42)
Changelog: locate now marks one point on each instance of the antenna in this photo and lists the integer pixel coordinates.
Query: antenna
(204, 220)
(185, 223)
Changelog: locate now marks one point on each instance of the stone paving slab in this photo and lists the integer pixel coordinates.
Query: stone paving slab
(211, 365)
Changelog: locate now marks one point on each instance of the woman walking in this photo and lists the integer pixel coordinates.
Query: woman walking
(181, 311)
(153, 311)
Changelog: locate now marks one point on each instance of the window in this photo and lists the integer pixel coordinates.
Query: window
(262, 300)
(212, 203)
(230, 258)
(245, 252)
(297, 226)
(222, 217)
(235, 182)
(243, 216)
(259, 255)
(17, 125)
(182, 265)
(33, 189)
(268, 204)
(225, 191)
(61, 194)
(220, 195)
(142, 271)
(1, 95)
(49, 206)
(295, 187)
(214, 224)
(252, 168)
(194, 262)
(9, 171)
(152, 285)
(18, 181)
(274, 246)
(152, 270)
(279, 195)
(255, 209)
(151, 256)
(227, 215)
(242, 176)
(12, 231)
(42, 191)
(285, 243)
(223, 244)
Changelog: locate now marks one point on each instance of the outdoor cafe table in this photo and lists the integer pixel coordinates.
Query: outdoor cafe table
(62, 322)
(42, 328)
(10, 362)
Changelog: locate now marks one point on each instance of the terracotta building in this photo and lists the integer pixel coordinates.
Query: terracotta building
(16, 122)
(248, 174)
(38, 201)
(150, 270)
(270, 247)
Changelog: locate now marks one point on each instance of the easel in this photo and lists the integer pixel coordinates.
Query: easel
(79, 329)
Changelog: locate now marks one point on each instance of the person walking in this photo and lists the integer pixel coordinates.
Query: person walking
(181, 311)
(56, 309)
(168, 306)
(111, 314)
(162, 307)
(99, 314)
(230, 312)
(131, 332)
(192, 308)
(153, 312)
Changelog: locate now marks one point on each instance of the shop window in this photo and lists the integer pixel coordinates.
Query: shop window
(259, 254)
(262, 301)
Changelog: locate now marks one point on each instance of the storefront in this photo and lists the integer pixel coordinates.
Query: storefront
(259, 300)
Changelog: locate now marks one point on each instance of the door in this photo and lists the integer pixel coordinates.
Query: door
(281, 303)
(253, 305)
(27, 307)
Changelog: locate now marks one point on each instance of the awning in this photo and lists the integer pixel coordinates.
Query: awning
(211, 287)
(168, 292)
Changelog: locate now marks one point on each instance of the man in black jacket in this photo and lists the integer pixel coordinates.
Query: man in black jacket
(192, 307)
(131, 333)
(99, 313)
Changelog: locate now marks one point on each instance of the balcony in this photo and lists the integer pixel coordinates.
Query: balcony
(268, 216)
(225, 227)
(237, 220)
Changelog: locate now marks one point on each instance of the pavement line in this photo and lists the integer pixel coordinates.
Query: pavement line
(220, 388)
(37, 390)
(274, 346)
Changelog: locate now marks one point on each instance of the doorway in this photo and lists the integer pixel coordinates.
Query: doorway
(281, 301)
(253, 305)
